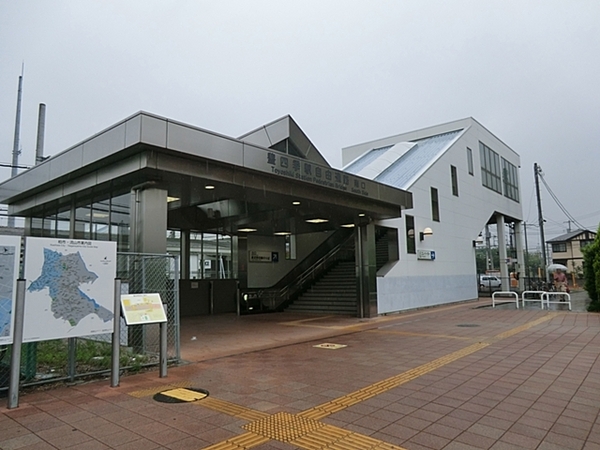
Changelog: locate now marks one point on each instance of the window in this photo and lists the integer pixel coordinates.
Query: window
(454, 178)
(410, 235)
(510, 180)
(559, 247)
(490, 168)
(435, 206)
(584, 244)
(470, 160)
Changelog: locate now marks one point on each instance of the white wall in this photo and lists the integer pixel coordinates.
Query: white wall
(267, 274)
(413, 283)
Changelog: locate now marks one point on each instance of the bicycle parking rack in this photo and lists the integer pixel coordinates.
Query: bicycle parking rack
(547, 295)
(505, 295)
(539, 299)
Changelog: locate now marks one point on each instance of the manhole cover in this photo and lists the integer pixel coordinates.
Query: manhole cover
(467, 325)
(181, 395)
(330, 346)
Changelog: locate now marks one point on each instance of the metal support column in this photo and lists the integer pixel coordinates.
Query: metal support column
(15, 357)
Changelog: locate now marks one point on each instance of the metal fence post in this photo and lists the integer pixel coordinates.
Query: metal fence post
(177, 323)
(72, 357)
(15, 357)
(116, 339)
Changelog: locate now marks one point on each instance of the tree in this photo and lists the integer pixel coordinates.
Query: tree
(591, 272)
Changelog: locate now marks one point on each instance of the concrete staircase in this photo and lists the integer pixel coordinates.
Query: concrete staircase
(334, 293)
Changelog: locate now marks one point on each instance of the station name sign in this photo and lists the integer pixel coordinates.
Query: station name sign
(284, 165)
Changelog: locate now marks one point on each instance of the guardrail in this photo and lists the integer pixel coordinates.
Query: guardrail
(564, 298)
(539, 299)
(505, 294)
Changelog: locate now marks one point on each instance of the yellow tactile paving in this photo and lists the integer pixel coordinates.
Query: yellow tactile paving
(304, 429)
(232, 409)
(241, 442)
(155, 390)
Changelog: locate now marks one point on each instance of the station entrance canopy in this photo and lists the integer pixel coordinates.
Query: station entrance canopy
(260, 181)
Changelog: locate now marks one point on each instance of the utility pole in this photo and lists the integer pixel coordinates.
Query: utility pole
(526, 252)
(536, 171)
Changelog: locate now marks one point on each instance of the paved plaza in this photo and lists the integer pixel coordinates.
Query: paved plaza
(457, 377)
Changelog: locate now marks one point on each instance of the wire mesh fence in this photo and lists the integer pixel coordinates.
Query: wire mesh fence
(72, 358)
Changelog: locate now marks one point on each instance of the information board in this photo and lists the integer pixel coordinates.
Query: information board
(69, 288)
(10, 249)
(139, 309)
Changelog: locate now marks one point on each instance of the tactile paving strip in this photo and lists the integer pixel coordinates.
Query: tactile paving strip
(155, 390)
(283, 426)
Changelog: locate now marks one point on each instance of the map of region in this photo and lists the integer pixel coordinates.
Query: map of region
(62, 275)
(70, 288)
(7, 277)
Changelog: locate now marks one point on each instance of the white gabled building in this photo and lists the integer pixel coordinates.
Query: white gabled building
(462, 178)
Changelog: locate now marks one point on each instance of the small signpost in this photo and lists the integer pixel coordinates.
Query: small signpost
(139, 309)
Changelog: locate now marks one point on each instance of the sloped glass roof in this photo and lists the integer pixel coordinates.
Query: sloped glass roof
(366, 159)
(411, 164)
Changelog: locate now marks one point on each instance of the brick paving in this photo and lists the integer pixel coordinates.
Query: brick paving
(458, 377)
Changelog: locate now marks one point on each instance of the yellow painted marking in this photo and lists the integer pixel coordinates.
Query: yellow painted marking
(185, 395)
(151, 391)
(408, 333)
(304, 430)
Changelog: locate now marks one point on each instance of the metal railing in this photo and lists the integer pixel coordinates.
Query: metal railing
(273, 299)
(73, 358)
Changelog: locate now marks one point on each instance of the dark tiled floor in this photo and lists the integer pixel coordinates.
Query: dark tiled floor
(510, 379)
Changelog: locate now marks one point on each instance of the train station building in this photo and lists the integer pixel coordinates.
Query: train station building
(263, 220)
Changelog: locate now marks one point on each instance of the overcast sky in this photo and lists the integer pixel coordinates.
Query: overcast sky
(347, 71)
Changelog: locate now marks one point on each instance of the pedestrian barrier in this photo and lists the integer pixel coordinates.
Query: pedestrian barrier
(540, 297)
(505, 294)
(562, 298)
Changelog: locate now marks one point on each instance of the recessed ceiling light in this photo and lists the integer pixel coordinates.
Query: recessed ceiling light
(296, 203)
(209, 187)
(246, 230)
(317, 220)
(362, 215)
(282, 233)
(348, 225)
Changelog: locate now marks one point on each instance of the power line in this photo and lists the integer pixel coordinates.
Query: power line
(560, 205)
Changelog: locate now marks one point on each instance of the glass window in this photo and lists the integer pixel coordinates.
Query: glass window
(119, 221)
(290, 246)
(559, 247)
(510, 180)
(490, 168)
(410, 234)
(454, 179)
(82, 222)
(470, 160)
(435, 206)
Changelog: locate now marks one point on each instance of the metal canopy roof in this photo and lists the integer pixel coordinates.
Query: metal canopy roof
(252, 184)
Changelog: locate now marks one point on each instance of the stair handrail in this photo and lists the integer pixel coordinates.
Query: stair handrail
(284, 294)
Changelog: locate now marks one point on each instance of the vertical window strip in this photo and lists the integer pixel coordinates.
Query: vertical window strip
(435, 206)
(454, 179)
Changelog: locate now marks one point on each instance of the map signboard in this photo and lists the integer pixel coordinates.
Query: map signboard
(69, 288)
(10, 250)
(140, 309)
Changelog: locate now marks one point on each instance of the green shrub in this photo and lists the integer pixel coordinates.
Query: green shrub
(591, 272)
